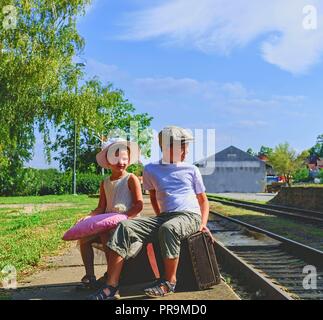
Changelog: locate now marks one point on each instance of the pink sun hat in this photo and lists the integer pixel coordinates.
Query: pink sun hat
(107, 155)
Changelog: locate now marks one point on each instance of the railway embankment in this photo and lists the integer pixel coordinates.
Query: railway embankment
(309, 198)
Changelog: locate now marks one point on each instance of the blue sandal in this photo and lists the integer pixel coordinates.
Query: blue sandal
(161, 289)
(88, 283)
(101, 295)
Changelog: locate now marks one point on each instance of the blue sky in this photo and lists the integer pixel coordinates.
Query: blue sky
(246, 68)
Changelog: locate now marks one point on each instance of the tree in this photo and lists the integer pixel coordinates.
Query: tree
(266, 151)
(302, 175)
(114, 113)
(251, 152)
(321, 175)
(38, 41)
(286, 162)
(318, 148)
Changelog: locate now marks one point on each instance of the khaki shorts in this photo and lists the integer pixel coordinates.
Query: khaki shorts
(169, 228)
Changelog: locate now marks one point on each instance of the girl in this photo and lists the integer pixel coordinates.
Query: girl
(121, 192)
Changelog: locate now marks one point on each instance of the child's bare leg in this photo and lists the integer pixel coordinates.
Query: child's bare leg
(169, 275)
(107, 252)
(87, 254)
(170, 269)
(115, 266)
(104, 239)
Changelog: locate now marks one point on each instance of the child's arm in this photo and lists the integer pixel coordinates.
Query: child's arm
(102, 202)
(138, 203)
(205, 209)
(154, 202)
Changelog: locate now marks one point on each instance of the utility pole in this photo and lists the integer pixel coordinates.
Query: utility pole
(77, 65)
(74, 160)
(102, 146)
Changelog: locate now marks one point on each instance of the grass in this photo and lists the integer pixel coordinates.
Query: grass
(310, 185)
(44, 199)
(25, 239)
(213, 195)
(304, 233)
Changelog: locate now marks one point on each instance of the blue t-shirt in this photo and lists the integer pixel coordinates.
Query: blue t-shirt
(176, 185)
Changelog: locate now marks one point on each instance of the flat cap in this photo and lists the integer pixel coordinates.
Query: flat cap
(173, 133)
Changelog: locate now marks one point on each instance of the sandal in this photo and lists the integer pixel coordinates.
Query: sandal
(103, 279)
(88, 279)
(162, 289)
(88, 282)
(101, 295)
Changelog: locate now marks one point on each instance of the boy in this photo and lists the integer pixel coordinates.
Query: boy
(177, 194)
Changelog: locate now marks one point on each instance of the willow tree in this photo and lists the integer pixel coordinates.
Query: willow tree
(38, 41)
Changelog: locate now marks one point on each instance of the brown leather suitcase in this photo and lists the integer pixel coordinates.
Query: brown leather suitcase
(198, 268)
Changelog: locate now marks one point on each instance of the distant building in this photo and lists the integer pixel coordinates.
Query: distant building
(315, 163)
(233, 170)
(269, 169)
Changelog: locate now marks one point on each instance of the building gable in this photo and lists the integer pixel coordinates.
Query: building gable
(230, 154)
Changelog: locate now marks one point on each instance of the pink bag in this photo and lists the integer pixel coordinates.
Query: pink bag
(94, 225)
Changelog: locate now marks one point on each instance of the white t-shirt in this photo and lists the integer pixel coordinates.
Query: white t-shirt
(176, 185)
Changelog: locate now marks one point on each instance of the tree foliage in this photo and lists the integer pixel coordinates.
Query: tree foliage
(251, 152)
(115, 115)
(40, 87)
(286, 161)
(302, 175)
(318, 148)
(38, 40)
(266, 151)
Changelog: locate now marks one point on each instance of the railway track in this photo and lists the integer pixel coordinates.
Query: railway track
(288, 212)
(270, 266)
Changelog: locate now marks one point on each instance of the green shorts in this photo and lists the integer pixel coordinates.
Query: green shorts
(169, 228)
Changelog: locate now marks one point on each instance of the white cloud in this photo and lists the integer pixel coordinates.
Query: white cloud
(207, 90)
(106, 72)
(214, 93)
(240, 115)
(211, 104)
(219, 26)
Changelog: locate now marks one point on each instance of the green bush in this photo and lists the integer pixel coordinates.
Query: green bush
(28, 183)
(24, 183)
(88, 183)
(321, 175)
(55, 182)
(302, 175)
(137, 169)
(35, 182)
